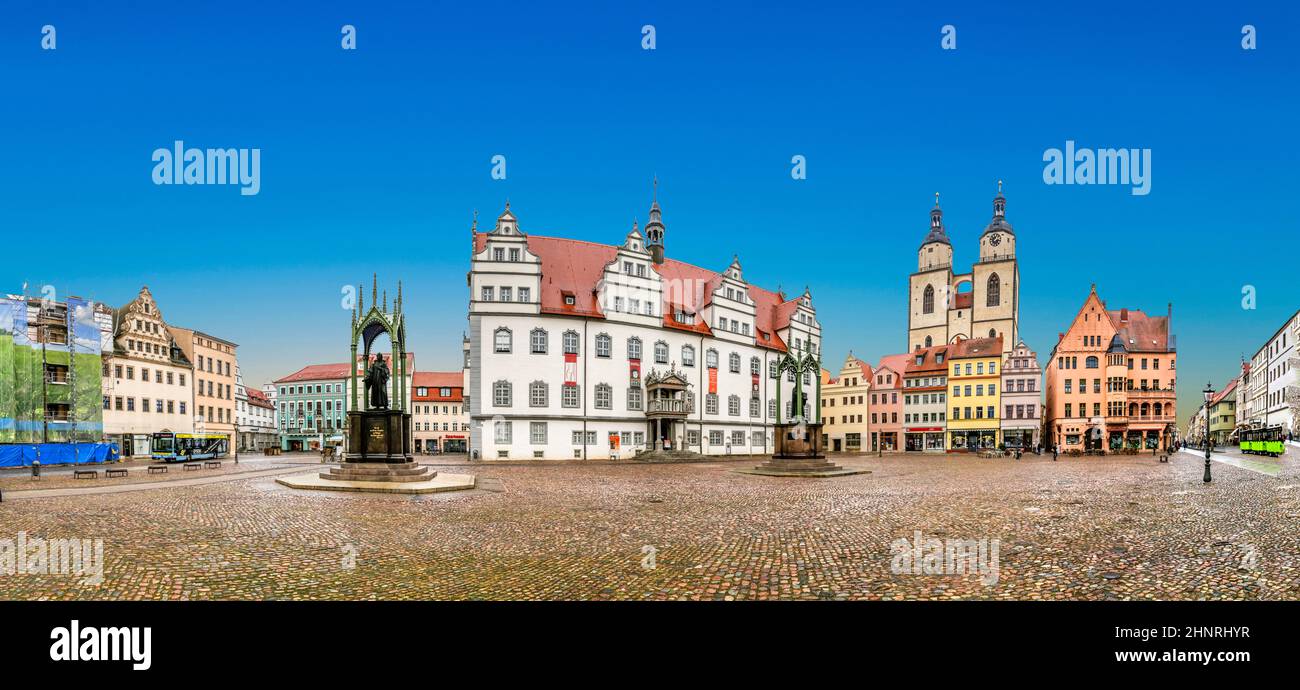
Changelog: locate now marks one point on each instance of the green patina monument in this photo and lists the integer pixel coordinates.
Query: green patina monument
(798, 449)
(379, 431)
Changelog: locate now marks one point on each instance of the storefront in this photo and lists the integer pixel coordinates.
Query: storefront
(1019, 438)
(975, 439)
(922, 439)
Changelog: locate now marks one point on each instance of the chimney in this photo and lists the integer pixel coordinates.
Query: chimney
(1123, 315)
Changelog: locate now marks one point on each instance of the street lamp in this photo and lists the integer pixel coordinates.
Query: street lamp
(1209, 391)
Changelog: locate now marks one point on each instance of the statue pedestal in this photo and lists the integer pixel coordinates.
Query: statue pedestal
(382, 436)
(799, 454)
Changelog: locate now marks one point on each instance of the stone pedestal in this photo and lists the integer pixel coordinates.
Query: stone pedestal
(379, 436)
(799, 453)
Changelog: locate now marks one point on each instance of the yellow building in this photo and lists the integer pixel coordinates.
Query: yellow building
(845, 416)
(974, 395)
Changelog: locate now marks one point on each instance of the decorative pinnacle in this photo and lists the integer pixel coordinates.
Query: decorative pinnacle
(655, 195)
(374, 288)
(473, 227)
(936, 200)
(385, 300)
(361, 299)
(999, 186)
(399, 297)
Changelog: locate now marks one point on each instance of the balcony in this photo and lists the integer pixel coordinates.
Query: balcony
(1149, 393)
(669, 407)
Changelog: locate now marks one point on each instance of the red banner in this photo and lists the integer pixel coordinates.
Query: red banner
(713, 381)
(570, 368)
(635, 366)
(755, 389)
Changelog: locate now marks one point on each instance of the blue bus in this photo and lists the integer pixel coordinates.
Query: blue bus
(170, 447)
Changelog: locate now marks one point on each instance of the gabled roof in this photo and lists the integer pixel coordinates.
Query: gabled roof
(928, 363)
(317, 372)
(576, 267)
(257, 398)
(1229, 388)
(894, 363)
(439, 379)
(1141, 333)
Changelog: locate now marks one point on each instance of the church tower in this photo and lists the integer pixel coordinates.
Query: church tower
(995, 309)
(930, 286)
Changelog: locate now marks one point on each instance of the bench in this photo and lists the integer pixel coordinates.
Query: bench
(212, 464)
(85, 474)
(157, 469)
(119, 472)
(192, 466)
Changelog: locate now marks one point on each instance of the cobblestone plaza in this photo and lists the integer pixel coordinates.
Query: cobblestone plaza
(1125, 527)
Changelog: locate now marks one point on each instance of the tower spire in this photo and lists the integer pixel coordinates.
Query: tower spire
(374, 288)
(654, 227)
(999, 204)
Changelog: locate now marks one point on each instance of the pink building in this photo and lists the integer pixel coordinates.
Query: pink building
(887, 403)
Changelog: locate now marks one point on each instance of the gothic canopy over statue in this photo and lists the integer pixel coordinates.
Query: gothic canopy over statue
(367, 326)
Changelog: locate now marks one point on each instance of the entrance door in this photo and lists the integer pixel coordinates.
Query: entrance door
(835, 445)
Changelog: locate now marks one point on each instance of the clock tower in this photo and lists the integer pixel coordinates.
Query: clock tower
(995, 279)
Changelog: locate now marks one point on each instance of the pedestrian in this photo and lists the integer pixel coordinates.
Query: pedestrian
(1055, 449)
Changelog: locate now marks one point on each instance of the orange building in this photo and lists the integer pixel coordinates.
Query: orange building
(1111, 381)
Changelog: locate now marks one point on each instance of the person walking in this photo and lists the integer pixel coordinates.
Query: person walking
(1055, 449)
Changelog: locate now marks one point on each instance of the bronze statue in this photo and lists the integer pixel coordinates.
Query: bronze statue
(377, 384)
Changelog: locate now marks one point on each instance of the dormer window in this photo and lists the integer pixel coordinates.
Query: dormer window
(498, 254)
(569, 299)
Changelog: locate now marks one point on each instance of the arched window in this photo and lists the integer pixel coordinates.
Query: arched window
(733, 405)
(733, 363)
(501, 394)
(501, 340)
(634, 348)
(711, 358)
(537, 394)
(688, 356)
(537, 341)
(927, 300)
(661, 352)
(1090, 363)
(928, 341)
(994, 291)
(603, 345)
(993, 333)
(604, 396)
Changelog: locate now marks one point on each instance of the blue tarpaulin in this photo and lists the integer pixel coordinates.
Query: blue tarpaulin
(23, 454)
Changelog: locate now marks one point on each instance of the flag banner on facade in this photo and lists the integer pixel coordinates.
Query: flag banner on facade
(635, 374)
(713, 381)
(755, 377)
(570, 368)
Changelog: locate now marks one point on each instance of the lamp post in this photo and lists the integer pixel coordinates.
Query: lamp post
(1209, 391)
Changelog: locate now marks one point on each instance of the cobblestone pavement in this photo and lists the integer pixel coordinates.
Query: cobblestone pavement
(1096, 528)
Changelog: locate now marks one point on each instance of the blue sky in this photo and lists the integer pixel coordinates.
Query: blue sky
(387, 149)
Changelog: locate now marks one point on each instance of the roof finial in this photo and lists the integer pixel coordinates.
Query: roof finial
(397, 308)
(936, 200)
(473, 227)
(385, 300)
(361, 299)
(999, 186)
(655, 195)
(374, 288)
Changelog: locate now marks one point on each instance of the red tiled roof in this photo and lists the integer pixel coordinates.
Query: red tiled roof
(976, 347)
(1141, 333)
(928, 364)
(324, 372)
(258, 399)
(896, 364)
(575, 267)
(1218, 397)
(439, 379)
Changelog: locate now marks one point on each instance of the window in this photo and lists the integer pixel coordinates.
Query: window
(570, 342)
(504, 432)
(569, 396)
(711, 403)
(711, 358)
(525, 295)
(994, 293)
(733, 405)
(733, 363)
(634, 397)
(506, 294)
(927, 300)
(771, 369)
(688, 356)
(537, 341)
(604, 396)
(715, 437)
(537, 433)
(634, 348)
(754, 407)
(501, 394)
(502, 340)
(661, 352)
(537, 394)
(603, 345)
(485, 295)
(771, 408)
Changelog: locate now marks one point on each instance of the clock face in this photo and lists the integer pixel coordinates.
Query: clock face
(995, 239)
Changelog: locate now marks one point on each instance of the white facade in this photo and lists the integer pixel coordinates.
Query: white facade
(1274, 375)
(518, 403)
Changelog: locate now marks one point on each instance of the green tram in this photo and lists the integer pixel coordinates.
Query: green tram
(170, 447)
(1266, 441)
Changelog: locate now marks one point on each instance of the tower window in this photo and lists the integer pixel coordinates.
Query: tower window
(994, 291)
(927, 300)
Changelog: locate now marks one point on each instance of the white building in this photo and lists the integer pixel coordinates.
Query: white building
(147, 379)
(1273, 397)
(562, 333)
(1022, 379)
(255, 417)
